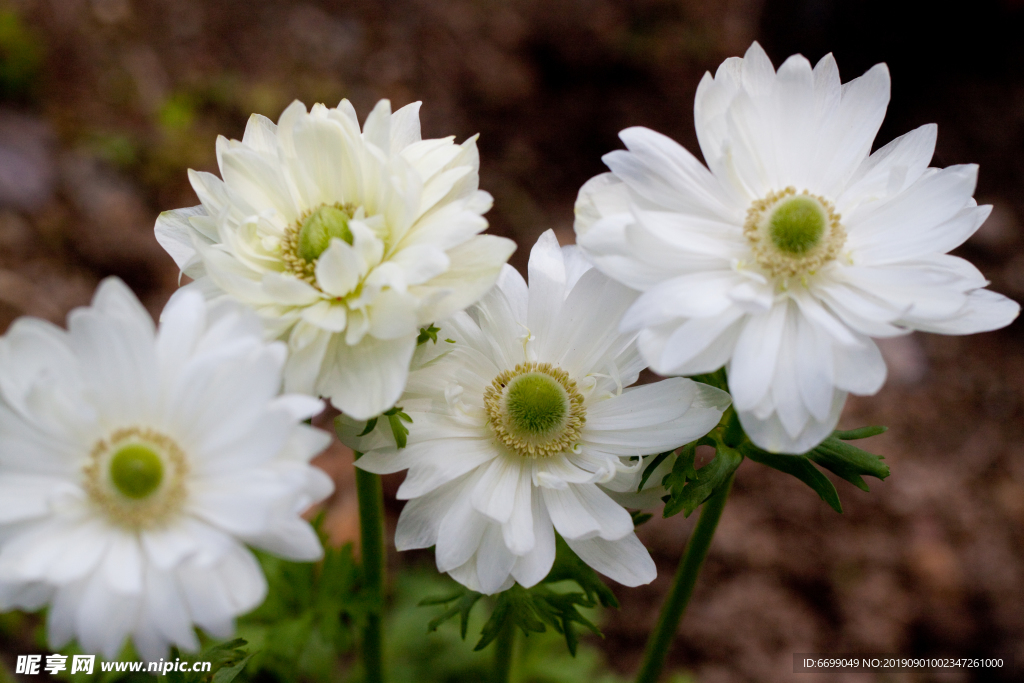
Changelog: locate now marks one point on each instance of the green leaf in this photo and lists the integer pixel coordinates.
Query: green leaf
(682, 469)
(559, 610)
(400, 431)
(227, 674)
(515, 605)
(428, 333)
(568, 566)
(800, 467)
(651, 466)
(370, 424)
(848, 461)
(859, 433)
(464, 600)
(689, 488)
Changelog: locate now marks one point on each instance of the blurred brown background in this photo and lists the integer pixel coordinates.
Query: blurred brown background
(105, 103)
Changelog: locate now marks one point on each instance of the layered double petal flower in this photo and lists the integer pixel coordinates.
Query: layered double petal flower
(345, 240)
(793, 248)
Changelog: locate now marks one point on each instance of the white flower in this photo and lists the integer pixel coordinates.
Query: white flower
(345, 241)
(794, 250)
(135, 463)
(521, 421)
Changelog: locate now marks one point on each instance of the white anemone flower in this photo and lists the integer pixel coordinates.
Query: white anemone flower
(346, 241)
(794, 250)
(522, 425)
(135, 464)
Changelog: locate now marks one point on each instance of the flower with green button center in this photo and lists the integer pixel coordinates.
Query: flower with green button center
(136, 477)
(796, 225)
(149, 456)
(793, 235)
(526, 424)
(136, 471)
(304, 242)
(535, 409)
(345, 238)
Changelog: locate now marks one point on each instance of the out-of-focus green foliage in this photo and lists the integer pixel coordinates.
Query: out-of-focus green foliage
(21, 57)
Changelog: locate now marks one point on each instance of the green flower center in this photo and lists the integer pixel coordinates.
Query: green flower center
(306, 240)
(535, 409)
(136, 471)
(319, 228)
(536, 403)
(136, 477)
(796, 225)
(793, 235)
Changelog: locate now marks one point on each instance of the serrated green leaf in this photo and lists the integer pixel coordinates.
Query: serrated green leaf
(651, 466)
(428, 333)
(568, 566)
(560, 610)
(464, 599)
(848, 461)
(859, 433)
(682, 469)
(698, 486)
(515, 605)
(800, 467)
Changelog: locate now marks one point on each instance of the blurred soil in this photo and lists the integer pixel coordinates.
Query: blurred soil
(105, 103)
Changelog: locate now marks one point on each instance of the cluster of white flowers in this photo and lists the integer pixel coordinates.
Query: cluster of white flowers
(136, 462)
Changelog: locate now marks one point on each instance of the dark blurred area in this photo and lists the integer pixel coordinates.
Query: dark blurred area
(104, 104)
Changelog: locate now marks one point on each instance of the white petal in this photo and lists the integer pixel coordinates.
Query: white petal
(624, 560)
(366, 379)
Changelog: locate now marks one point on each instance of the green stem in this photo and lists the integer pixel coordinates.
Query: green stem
(371, 531)
(682, 587)
(503, 648)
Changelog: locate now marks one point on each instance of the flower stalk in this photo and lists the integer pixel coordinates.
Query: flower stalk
(682, 587)
(371, 531)
(504, 647)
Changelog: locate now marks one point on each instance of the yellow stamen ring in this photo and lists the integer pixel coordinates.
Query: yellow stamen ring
(136, 477)
(535, 409)
(793, 234)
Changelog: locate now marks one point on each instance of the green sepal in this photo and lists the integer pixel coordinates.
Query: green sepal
(847, 461)
(689, 488)
(400, 431)
(428, 333)
(800, 467)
